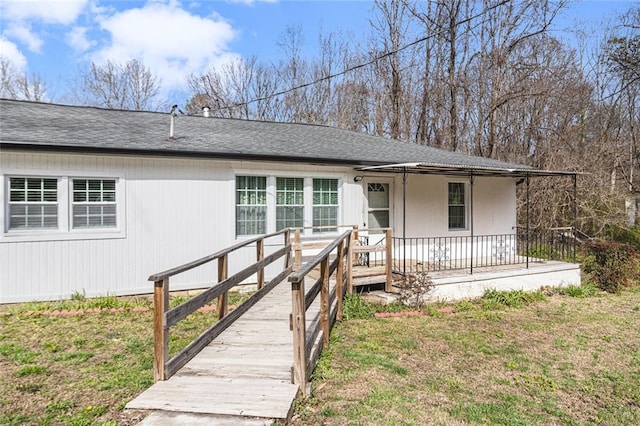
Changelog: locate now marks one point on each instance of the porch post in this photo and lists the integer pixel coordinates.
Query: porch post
(471, 178)
(527, 229)
(575, 214)
(404, 220)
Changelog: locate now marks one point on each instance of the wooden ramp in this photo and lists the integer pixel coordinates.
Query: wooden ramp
(245, 371)
(249, 366)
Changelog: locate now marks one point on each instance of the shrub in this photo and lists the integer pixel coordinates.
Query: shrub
(494, 299)
(629, 236)
(355, 307)
(613, 265)
(413, 289)
(587, 289)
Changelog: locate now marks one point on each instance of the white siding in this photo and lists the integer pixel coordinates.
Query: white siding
(178, 210)
(494, 206)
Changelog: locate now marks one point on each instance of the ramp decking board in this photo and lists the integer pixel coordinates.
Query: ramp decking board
(245, 371)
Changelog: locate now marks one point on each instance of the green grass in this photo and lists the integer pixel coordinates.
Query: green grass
(82, 369)
(569, 358)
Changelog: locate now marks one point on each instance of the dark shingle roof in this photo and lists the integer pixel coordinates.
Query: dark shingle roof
(71, 128)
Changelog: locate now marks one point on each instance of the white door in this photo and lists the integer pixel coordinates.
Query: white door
(378, 205)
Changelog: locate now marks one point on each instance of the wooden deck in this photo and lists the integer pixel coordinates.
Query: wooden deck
(245, 372)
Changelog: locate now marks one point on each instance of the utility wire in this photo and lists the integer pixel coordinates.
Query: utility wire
(362, 65)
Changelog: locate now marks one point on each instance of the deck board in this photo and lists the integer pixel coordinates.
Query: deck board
(245, 371)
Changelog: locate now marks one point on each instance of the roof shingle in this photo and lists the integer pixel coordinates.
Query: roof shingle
(72, 128)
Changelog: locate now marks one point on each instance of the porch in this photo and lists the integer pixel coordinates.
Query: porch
(465, 267)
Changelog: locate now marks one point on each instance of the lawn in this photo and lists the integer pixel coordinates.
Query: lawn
(81, 369)
(554, 360)
(560, 360)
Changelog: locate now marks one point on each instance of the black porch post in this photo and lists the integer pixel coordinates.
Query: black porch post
(527, 229)
(471, 178)
(404, 220)
(575, 214)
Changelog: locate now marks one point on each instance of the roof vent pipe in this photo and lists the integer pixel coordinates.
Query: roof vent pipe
(205, 111)
(172, 124)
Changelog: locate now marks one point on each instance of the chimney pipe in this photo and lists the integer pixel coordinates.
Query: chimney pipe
(173, 121)
(205, 111)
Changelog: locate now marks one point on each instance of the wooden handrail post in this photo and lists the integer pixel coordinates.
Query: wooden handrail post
(223, 299)
(350, 262)
(324, 301)
(299, 326)
(389, 259)
(160, 330)
(355, 236)
(298, 250)
(287, 241)
(339, 280)
(259, 257)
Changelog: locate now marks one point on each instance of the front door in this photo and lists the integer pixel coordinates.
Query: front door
(378, 208)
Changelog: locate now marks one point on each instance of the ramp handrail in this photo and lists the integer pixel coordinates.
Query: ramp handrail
(304, 357)
(164, 318)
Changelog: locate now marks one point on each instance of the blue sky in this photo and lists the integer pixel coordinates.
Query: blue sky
(175, 38)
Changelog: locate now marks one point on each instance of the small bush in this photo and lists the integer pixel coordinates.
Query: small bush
(613, 265)
(629, 236)
(355, 307)
(494, 299)
(587, 289)
(413, 289)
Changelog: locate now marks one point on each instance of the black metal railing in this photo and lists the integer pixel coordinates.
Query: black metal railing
(433, 254)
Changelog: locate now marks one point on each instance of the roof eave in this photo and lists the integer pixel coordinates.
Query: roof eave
(465, 170)
(71, 149)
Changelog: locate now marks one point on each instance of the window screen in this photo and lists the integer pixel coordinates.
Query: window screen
(33, 203)
(251, 205)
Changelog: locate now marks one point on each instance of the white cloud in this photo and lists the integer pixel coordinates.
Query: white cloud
(21, 14)
(169, 40)
(11, 52)
(77, 39)
(48, 11)
(22, 32)
(249, 2)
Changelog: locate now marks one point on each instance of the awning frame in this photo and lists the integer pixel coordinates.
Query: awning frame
(470, 172)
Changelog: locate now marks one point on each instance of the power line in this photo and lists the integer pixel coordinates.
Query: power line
(362, 65)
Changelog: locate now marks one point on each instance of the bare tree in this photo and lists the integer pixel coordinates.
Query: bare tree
(129, 86)
(18, 85)
(239, 89)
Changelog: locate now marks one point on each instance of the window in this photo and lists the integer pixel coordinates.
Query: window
(45, 208)
(251, 205)
(325, 203)
(289, 203)
(457, 207)
(271, 203)
(33, 203)
(94, 203)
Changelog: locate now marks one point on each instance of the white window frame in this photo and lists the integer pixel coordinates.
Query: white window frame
(92, 203)
(466, 205)
(27, 203)
(266, 206)
(271, 176)
(337, 206)
(65, 230)
(287, 205)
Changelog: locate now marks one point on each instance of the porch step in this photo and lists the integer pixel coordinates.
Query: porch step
(366, 271)
(374, 279)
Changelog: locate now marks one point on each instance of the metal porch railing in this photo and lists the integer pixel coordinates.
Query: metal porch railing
(435, 254)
